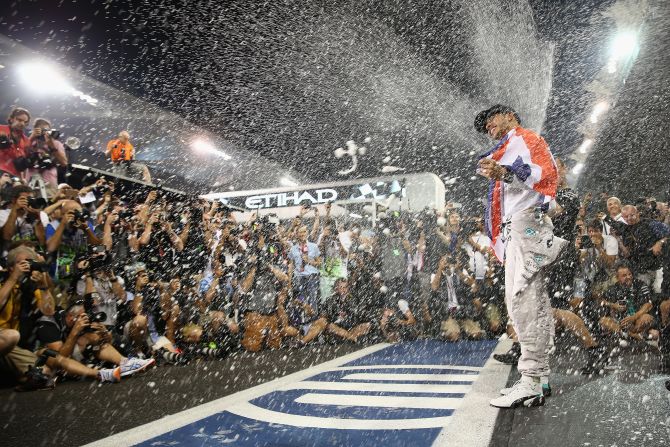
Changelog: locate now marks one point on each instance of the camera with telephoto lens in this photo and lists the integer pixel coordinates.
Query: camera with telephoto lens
(41, 161)
(36, 266)
(126, 214)
(98, 259)
(5, 142)
(37, 203)
(196, 214)
(36, 379)
(586, 242)
(102, 188)
(93, 317)
(53, 133)
(81, 216)
(620, 228)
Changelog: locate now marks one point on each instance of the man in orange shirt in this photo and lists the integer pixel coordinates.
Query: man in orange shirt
(122, 153)
(120, 149)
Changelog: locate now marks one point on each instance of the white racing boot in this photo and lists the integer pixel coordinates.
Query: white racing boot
(546, 388)
(526, 392)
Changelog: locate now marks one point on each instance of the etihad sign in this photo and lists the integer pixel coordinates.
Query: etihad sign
(294, 198)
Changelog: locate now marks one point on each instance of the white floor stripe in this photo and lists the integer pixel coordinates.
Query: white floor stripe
(413, 377)
(440, 403)
(457, 368)
(378, 387)
(248, 410)
(473, 423)
(174, 421)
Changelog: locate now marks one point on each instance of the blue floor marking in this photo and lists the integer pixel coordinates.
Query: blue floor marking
(284, 401)
(226, 428)
(431, 352)
(331, 376)
(233, 430)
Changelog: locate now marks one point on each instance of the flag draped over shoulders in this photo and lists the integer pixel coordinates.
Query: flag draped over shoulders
(535, 179)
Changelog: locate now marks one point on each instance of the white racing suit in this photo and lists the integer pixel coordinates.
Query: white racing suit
(530, 246)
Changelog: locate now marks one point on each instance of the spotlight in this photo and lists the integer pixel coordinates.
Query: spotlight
(43, 77)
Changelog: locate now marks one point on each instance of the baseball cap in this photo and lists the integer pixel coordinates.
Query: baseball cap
(483, 116)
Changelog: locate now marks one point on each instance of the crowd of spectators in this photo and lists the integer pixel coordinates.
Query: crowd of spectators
(109, 279)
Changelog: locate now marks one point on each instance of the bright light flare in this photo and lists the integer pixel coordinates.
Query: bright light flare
(623, 46)
(44, 78)
(206, 148)
(584, 147)
(576, 169)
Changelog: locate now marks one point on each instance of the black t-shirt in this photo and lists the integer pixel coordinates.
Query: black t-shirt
(564, 223)
(151, 300)
(632, 297)
(368, 299)
(347, 311)
(562, 272)
(440, 298)
(195, 254)
(262, 297)
(639, 239)
(160, 256)
(51, 329)
(222, 299)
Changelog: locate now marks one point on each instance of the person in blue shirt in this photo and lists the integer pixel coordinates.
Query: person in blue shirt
(69, 234)
(306, 257)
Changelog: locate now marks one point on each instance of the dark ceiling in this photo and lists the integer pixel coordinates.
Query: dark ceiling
(293, 80)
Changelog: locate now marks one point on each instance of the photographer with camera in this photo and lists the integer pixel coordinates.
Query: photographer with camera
(306, 257)
(642, 240)
(43, 157)
(24, 296)
(13, 141)
(119, 235)
(263, 291)
(192, 232)
(25, 292)
(122, 154)
(68, 235)
(146, 314)
(108, 290)
(24, 220)
(626, 307)
(452, 304)
(80, 333)
(160, 246)
(597, 255)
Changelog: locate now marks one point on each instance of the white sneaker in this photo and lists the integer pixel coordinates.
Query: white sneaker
(526, 392)
(135, 365)
(506, 391)
(546, 388)
(110, 375)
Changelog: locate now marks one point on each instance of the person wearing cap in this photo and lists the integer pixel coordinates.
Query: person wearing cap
(523, 179)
